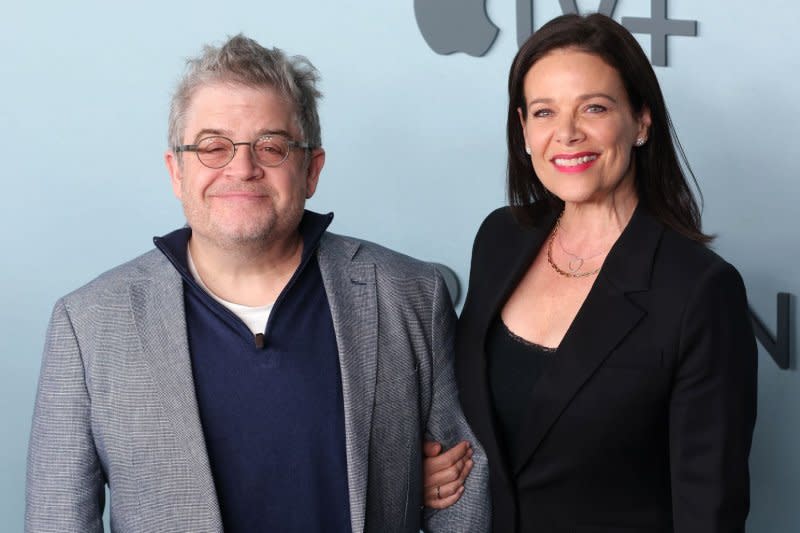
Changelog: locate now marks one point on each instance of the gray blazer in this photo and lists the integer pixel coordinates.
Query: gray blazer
(116, 402)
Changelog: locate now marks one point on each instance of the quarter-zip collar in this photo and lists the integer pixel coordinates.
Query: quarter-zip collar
(174, 245)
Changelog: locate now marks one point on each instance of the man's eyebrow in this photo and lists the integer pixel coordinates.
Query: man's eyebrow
(275, 132)
(210, 132)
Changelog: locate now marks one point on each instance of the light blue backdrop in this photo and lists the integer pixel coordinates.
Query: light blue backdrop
(416, 158)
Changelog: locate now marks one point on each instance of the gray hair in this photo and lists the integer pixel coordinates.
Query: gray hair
(243, 61)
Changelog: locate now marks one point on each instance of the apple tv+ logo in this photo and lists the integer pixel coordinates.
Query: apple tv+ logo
(450, 26)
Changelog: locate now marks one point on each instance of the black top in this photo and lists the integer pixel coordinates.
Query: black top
(515, 366)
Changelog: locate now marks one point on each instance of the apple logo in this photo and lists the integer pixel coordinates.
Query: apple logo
(450, 26)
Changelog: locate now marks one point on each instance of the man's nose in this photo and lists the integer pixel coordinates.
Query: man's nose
(243, 164)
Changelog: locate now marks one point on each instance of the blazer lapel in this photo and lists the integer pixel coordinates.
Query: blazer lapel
(605, 318)
(515, 252)
(158, 312)
(521, 250)
(352, 296)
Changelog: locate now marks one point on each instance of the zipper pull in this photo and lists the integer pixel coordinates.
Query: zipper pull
(259, 340)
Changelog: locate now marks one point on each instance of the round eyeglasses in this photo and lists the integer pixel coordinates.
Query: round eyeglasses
(216, 152)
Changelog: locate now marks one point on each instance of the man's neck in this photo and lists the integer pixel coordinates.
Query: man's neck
(247, 275)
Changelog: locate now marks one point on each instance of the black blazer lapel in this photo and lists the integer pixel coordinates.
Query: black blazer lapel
(607, 315)
(503, 261)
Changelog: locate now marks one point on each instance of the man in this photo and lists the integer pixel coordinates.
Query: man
(253, 372)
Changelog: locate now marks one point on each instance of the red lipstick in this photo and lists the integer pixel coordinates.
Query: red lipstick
(577, 162)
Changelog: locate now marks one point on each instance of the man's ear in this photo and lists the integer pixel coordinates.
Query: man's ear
(172, 160)
(315, 164)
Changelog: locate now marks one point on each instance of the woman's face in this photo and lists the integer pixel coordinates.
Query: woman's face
(580, 127)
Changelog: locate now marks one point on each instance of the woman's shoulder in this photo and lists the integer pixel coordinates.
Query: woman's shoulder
(692, 253)
(498, 232)
(506, 224)
(693, 262)
(497, 222)
(505, 233)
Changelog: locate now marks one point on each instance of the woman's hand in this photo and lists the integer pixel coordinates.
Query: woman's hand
(444, 473)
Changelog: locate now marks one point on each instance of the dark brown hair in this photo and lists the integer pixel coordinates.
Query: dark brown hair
(660, 178)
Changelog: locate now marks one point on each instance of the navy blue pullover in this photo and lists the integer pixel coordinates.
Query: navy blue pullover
(271, 407)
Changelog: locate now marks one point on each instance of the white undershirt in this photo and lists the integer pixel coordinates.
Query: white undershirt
(255, 318)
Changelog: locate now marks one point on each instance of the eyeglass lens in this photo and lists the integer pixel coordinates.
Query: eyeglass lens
(269, 150)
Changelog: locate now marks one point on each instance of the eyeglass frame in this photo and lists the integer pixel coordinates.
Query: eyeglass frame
(292, 145)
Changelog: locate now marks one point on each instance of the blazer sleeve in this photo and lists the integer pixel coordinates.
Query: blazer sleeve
(65, 482)
(713, 406)
(447, 425)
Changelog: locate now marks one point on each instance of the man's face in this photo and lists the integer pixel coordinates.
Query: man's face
(242, 203)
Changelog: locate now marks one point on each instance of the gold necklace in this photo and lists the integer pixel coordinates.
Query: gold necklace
(553, 263)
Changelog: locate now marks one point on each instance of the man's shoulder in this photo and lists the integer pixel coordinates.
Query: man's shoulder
(386, 260)
(151, 265)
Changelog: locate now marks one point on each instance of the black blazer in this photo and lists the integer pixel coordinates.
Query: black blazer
(643, 422)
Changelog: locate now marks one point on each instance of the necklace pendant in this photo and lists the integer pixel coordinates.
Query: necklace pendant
(575, 264)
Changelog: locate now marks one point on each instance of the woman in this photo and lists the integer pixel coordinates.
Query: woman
(604, 354)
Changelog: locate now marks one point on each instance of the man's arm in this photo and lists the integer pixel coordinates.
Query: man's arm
(65, 481)
(446, 424)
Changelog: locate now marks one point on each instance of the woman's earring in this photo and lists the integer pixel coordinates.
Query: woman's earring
(640, 141)
(527, 149)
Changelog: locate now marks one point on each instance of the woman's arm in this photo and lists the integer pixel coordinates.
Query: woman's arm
(444, 473)
(713, 407)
